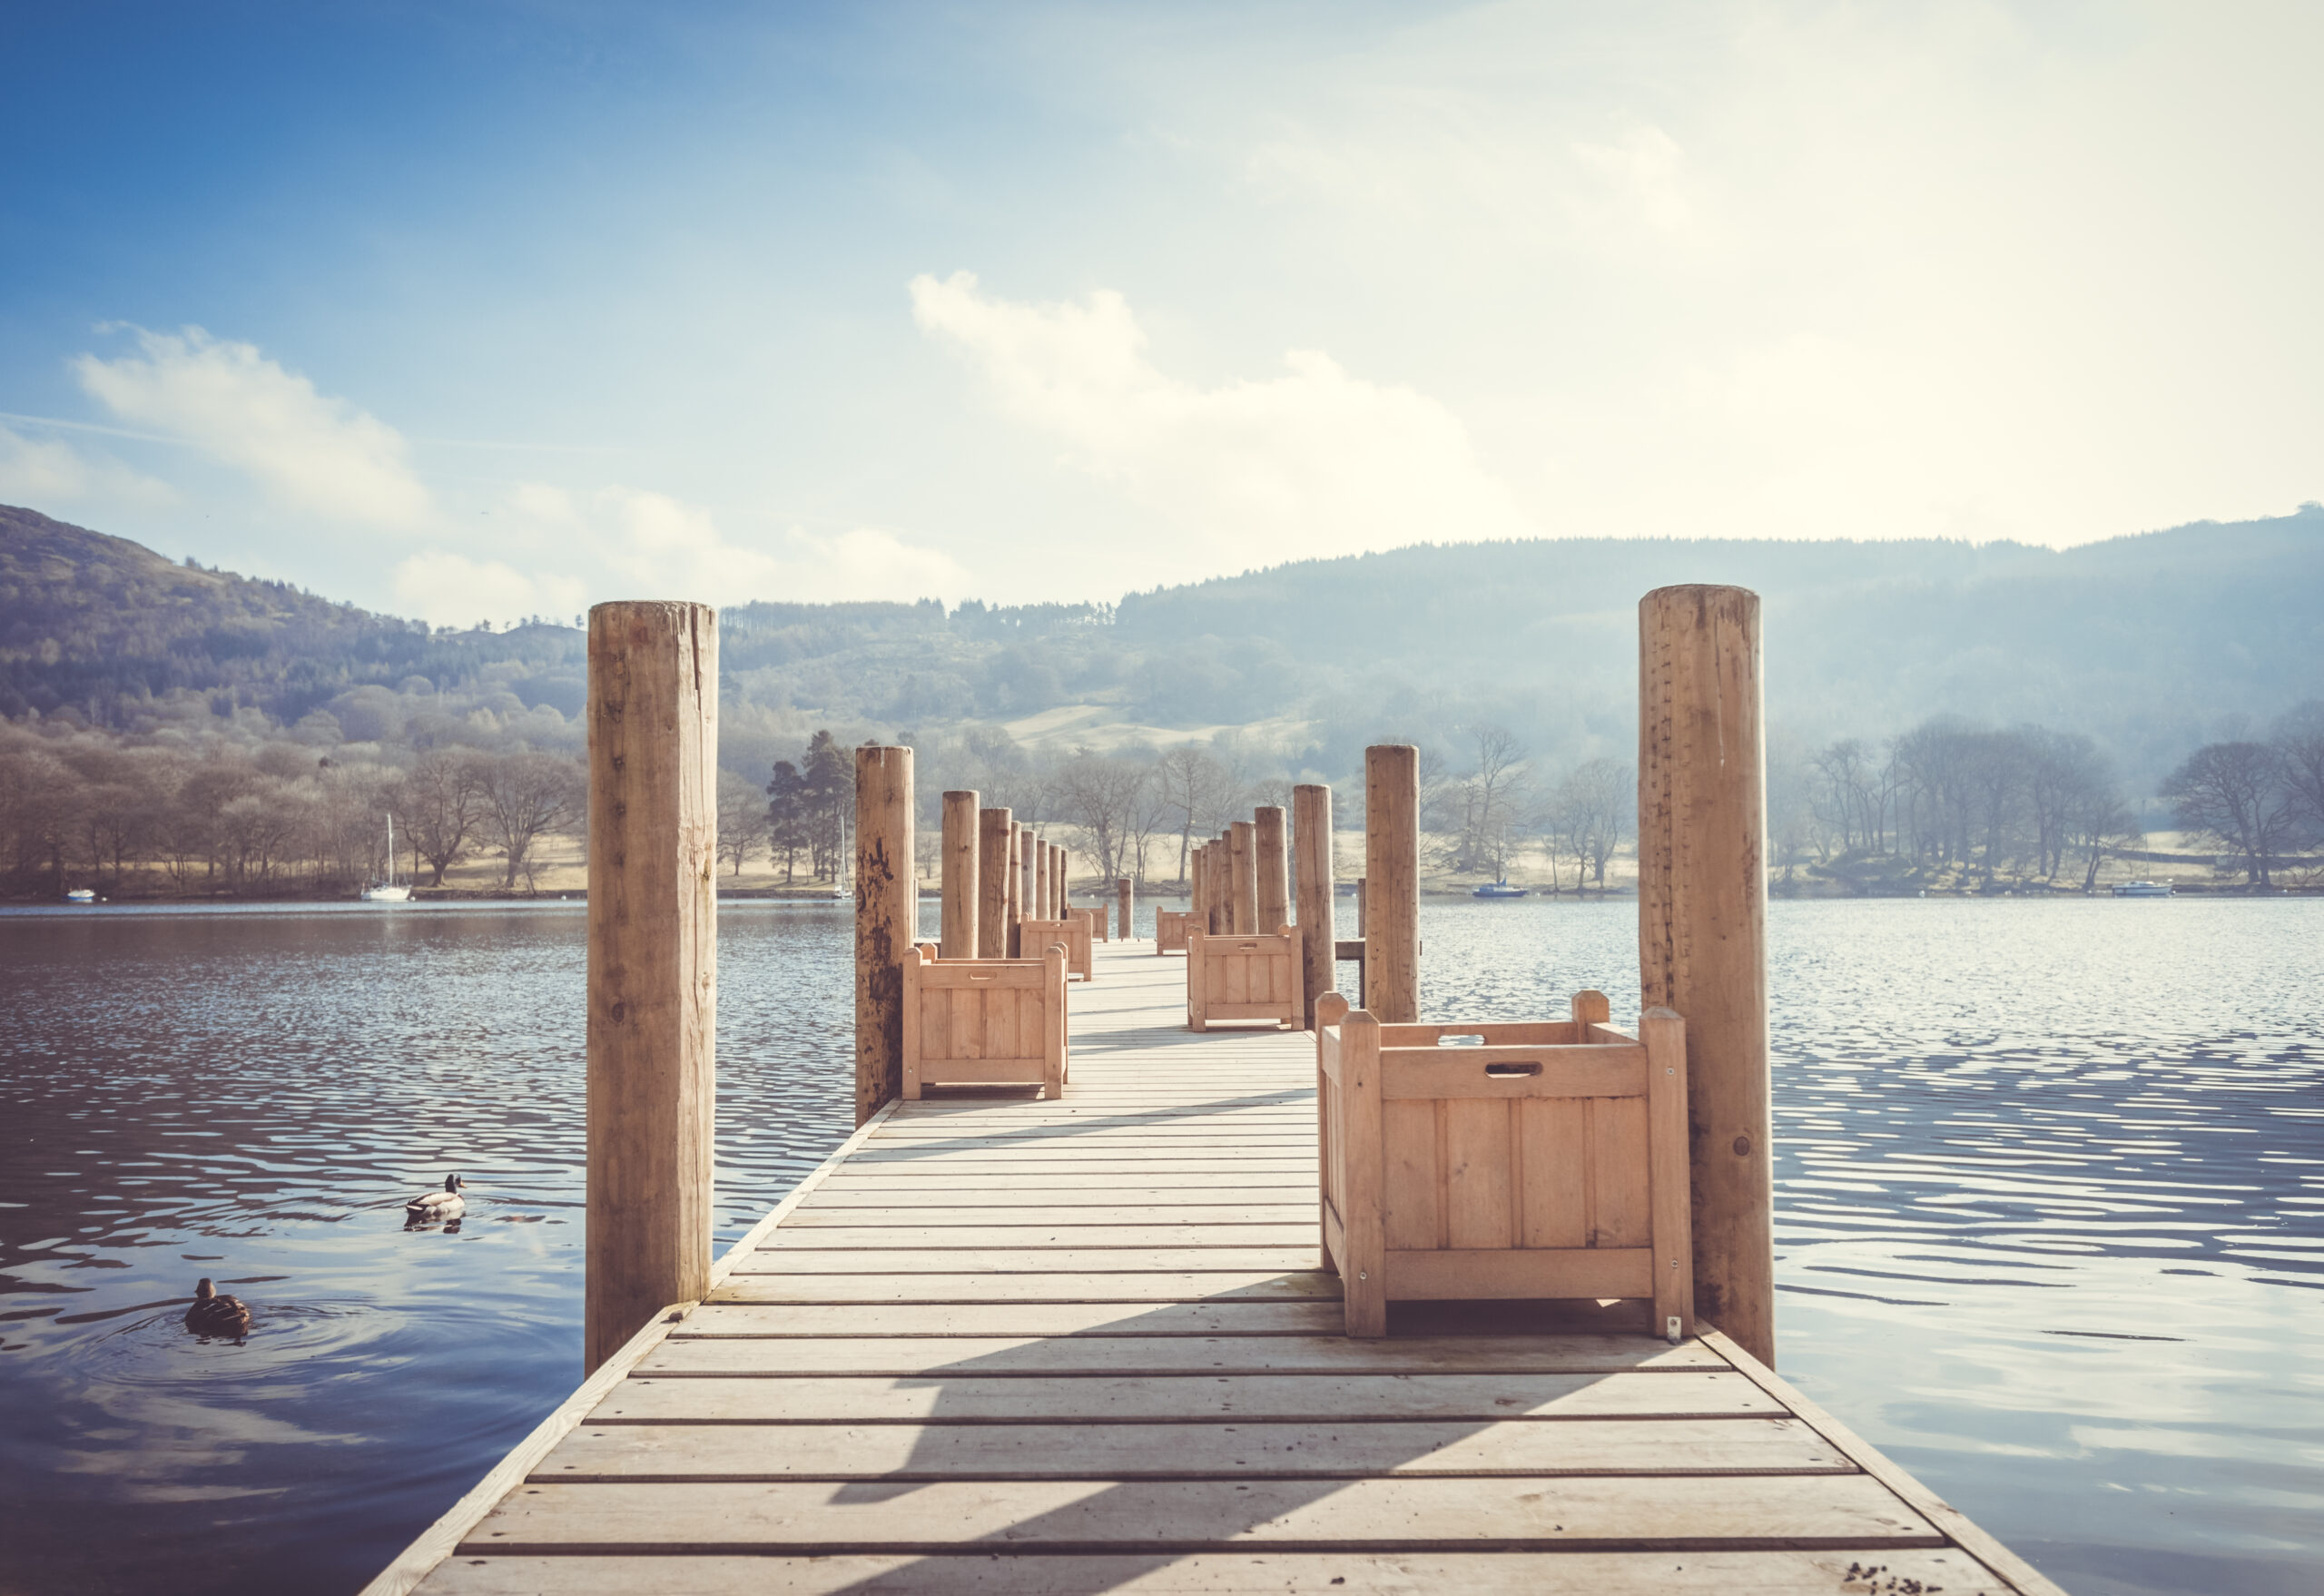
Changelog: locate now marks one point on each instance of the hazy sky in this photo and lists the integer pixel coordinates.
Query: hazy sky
(472, 310)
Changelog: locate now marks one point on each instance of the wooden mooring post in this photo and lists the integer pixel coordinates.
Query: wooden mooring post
(957, 878)
(1311, 836)
(1272, 861)
(1242, 863)
(1019, 840)
(887, 921)
(1125, 902)
(1702, 911)
(653, 976)
(1391, 878)
(993, 826)
(1060, 862)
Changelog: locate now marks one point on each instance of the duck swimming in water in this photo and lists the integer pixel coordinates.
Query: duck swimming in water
(213, 1315)
(430, 1207)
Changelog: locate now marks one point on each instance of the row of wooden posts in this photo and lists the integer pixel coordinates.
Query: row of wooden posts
(993, 874)
(653, 918)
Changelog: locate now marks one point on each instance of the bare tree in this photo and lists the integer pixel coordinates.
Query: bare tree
(1486, 802)
(1150, 817)
(1607, 795)
(1192, 782)
(2237, 792)
(1845, 800)
(437, 806)
(1100, 795)
(2299, 740)
(743, 823)
(526, 795)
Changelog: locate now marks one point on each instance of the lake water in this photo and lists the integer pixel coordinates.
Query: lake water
(2050, 1178)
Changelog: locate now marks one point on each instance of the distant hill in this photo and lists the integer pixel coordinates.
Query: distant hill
(2146, 641)
(99, 625)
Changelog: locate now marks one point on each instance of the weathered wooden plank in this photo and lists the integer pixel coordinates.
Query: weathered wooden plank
(1050, 1261)
(972, 1179)
(1046, 1235)
(1054, 1215)
(1106, 1193)
(1108, 1186)
(1171, 1355)
(598, 1454)
(1384, 1514)
(938, 1286)
(1127, 1161)
(1308, 1317)
(1350, 1399)
(1281, 1122)
(982, 1574)
(1431, 1275)
(1287, 1139)
(942, 1166)
(1073, 1113)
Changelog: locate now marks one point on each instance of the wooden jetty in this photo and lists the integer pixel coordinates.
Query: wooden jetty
(1082, 1345)
(1060, 1344)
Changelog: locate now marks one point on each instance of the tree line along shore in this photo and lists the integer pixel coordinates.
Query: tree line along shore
(199, 807)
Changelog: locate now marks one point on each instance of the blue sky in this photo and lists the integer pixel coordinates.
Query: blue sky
(478, 310)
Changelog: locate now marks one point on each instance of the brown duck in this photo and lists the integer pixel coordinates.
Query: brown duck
(213, 1315)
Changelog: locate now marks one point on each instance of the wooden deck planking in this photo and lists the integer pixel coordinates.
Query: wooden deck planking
(1081, 1344)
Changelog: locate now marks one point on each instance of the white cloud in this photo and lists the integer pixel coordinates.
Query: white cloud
(620, 542)
(1316, 462)
(449, 589)
(311, 452)
(46, 474)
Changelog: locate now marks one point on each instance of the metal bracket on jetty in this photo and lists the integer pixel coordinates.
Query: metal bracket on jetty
(1193, 1275)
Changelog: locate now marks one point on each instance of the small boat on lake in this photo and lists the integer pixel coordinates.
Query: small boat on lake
(2143, 890)
(390, 890)
(81, 895)
(1499, 889)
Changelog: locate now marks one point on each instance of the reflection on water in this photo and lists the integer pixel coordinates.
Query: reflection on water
(253, 1096)
(2048, 1176)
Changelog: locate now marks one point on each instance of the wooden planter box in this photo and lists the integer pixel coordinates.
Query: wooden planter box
(1549, 1161)
(1170, 928)
(1072, 933)
(1243, 979)
(984, 1022)
(1098, 920)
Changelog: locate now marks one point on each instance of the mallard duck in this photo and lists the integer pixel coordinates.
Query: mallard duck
(432, 1206)
(213, 1315)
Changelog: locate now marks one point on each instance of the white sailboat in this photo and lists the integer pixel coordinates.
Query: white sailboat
(390, 890)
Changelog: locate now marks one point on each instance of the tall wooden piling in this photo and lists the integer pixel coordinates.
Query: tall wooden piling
(1702, 911)
(1056, 881)
(1242, 859)
(993, 826)
(1025, 904)
(1391, 878)
(957, 878)
(1221, 884)
(1311, 836)
(1124, 906)
(1270, 853)
(1038, 884)
(887, 921)
(653, 978)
